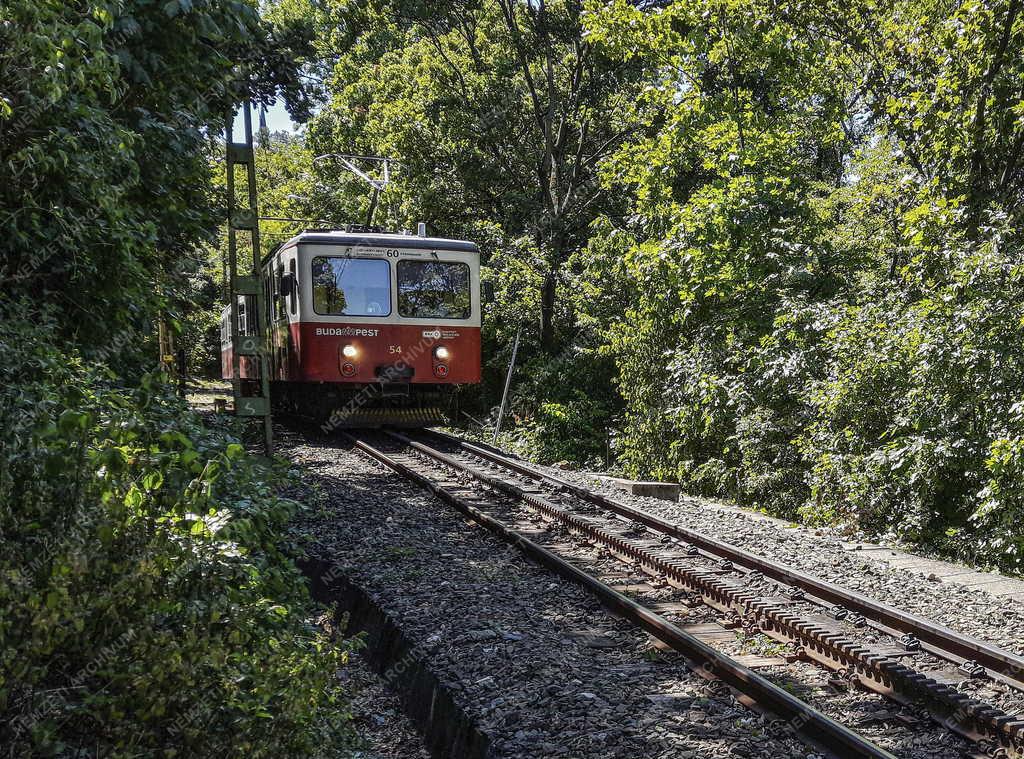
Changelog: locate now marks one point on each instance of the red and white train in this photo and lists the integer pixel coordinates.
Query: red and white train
(366, 328)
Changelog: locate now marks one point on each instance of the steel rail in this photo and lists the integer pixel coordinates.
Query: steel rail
(800, 717)
(999, 661)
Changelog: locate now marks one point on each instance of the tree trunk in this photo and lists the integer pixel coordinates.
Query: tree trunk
(547, 313)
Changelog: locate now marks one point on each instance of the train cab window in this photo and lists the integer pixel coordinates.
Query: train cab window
(351, 286)
(434, 289)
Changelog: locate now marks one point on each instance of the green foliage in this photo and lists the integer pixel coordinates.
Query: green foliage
(725, 251)
(823, 258)
(571, 425)
(147, 605)
(109, 110)
(943, 78)
(199, 333)
(916, 424)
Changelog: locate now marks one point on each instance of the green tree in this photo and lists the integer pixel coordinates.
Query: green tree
(499, 111)
(822, 257)
(107, 111)
(742, 137)
(148, 605)
(942, 79)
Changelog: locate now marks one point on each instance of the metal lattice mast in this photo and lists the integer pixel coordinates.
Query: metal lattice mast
(248, 403)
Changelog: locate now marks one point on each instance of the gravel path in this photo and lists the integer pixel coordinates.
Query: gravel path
(534, 661)
(820, 552)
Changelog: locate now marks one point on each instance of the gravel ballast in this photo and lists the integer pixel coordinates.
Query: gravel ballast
(383, 729)
(897, 729)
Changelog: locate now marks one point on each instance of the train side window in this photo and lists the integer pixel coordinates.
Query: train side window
(293, 296)
(278, 295)
(434, 289)
(268, 298)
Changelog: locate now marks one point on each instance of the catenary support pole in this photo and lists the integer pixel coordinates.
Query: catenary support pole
(508, 384)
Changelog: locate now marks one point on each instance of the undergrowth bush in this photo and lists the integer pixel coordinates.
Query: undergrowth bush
(147, 605)
(561, 408)
(916, 429)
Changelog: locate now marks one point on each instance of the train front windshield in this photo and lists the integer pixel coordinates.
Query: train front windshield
(434, 290)
(351, 286)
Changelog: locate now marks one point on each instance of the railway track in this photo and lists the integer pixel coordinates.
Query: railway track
(930, 671)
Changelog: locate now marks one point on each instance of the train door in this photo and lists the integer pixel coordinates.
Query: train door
(279, 332)
(291, 288)
(248, 367)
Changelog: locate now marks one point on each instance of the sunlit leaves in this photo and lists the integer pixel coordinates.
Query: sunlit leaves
(143, 581)
(820, 257)
(107, 118)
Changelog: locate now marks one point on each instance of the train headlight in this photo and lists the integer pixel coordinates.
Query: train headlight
(349, 351)
(441, 353)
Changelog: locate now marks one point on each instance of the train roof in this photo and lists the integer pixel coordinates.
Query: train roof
(380, 239)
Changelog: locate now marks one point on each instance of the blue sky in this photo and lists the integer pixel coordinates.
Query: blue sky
(277, 120)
